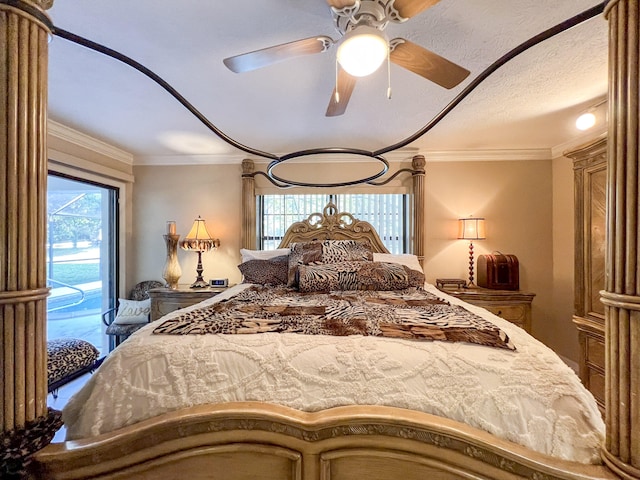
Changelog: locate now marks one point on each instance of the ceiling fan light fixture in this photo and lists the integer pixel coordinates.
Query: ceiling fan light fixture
(362, 51)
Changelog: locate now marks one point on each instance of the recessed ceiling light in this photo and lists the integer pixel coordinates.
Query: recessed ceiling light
(586, 121)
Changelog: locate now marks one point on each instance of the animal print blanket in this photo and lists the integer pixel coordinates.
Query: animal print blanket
(410, 314)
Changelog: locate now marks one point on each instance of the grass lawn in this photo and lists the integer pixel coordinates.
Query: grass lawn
(76, 273)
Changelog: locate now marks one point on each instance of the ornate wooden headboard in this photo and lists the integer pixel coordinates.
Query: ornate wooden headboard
(334, 226)
(331, 224)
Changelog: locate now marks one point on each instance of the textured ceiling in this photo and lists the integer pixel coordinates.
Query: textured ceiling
(529, 103)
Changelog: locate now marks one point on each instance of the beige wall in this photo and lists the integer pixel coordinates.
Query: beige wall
(528, 206)
(515, 197)
(181, 193)
(214, 192)
(563, 253)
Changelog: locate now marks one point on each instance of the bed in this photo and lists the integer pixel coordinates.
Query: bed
(457, 415)
(195, 442)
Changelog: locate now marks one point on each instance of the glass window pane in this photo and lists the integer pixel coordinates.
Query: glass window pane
(386, 212)
(81, 259)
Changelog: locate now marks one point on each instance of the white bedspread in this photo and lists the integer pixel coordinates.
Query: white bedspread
(528, 396)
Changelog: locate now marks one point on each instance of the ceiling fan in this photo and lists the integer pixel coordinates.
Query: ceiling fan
(361, 21)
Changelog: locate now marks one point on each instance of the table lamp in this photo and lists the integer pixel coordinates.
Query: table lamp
(471, 229)
(199, 240)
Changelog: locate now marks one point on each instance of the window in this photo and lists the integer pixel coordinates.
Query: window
(388, 213)
(81, 258)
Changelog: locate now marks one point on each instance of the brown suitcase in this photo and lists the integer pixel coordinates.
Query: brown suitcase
(498, 271)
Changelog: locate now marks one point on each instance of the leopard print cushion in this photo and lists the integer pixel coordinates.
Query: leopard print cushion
(326, 251)
(357, 276)
(273, 271)
(67, 355)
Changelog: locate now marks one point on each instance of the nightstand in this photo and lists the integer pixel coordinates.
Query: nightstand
(512, 305)
(165, 300)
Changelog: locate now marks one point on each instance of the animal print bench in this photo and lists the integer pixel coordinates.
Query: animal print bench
(68, 359)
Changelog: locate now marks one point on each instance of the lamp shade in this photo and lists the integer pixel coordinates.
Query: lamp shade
(198, 238)
(471, 228)
(362, 51)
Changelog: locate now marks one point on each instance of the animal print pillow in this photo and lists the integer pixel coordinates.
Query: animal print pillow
(326, 251)
(357, 276)
(271, 271)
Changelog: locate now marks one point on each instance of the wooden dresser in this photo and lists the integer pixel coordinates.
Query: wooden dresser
(590, 179)
(514, 306)
(165, 300)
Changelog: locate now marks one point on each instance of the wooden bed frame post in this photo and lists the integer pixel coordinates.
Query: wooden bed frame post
(418, 164)
(621, 296)
(23, 185)
(248, 205)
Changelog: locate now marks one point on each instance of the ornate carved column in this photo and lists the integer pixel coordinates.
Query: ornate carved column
(24, 28)
(418, 164)
(621, 296)
(248, 205)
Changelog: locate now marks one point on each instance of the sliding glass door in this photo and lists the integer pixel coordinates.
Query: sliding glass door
(81, 258)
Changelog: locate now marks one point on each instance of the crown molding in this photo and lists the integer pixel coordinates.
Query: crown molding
(558, 150)
(188, 159)
(403, 155)
(496, 155)
(75, 137)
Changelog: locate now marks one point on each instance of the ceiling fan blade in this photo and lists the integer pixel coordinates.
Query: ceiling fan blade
(411, 8)
(270, 55)
(339, 4)
(345, 85)
(427, 64)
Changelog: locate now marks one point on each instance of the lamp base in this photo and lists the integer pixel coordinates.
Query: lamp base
(470, 284)
(199, 283)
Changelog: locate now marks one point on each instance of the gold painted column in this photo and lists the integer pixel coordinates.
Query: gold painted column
(248, 205)
(23, 187)
(621, 296)
(418, 162)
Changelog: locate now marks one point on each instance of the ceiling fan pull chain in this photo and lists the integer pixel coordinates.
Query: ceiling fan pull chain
(337, 96)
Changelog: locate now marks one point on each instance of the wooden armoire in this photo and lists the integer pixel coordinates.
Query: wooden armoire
(590, 181)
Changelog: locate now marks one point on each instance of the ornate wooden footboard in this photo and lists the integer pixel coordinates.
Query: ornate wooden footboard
(257, 440)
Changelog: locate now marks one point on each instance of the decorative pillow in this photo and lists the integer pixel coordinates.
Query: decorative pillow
(336, 251)
(132, 311)
(262, 254)
(416, 278)
(326, 251)
(407, 259)
(266, 272)
(302, 254)
(357, 276)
